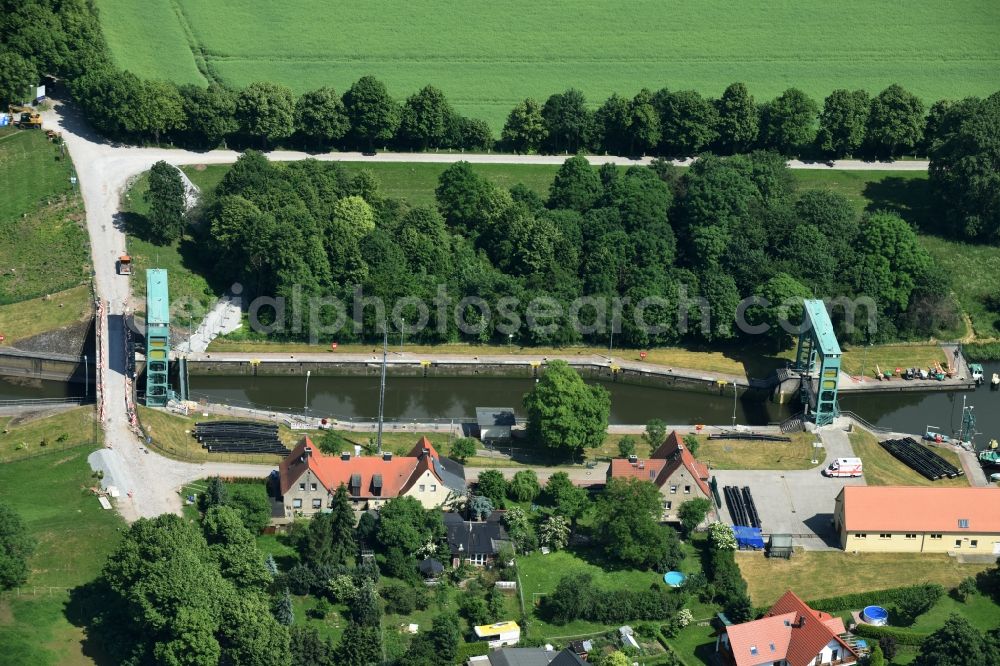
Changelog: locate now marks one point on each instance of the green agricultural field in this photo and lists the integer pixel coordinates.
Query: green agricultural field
(487, 56)
(43, 243)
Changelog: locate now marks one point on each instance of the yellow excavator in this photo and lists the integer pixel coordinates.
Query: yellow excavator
(24, 117)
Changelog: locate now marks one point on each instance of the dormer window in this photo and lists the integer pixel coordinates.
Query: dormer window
(963, 523)
(753, 650)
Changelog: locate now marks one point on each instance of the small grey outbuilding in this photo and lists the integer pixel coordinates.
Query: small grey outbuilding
(495, 422)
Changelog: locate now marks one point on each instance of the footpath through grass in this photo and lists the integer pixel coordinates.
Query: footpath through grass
(489, 56)
(820, 574)
(43, 241)
(882, 469)
(75, 536)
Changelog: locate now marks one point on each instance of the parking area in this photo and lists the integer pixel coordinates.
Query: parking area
(796, 502)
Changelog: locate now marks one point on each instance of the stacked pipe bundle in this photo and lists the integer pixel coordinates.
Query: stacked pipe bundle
(742, 508)
(924, 461)
(239, 437)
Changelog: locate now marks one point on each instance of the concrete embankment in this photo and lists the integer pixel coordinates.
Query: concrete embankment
(42, 365)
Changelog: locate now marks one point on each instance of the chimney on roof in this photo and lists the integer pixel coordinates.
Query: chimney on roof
(642, 464)
(387, 455)
(345, 455)
(426, 451)
(633, 458)
(307, 453)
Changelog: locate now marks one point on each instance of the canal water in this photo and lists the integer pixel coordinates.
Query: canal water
(411, 398)
(16, 388)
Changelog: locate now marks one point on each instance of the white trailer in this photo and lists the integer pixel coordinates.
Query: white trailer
(844, 467)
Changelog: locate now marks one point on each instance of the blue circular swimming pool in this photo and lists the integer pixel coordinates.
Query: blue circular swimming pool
(674, 578)
(875, 615)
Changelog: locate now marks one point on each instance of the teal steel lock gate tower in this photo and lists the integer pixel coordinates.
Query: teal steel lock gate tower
(818, 341)
(157, 338)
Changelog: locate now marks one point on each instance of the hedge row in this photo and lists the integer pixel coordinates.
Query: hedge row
(982, 351)
(902, 636)
(467, 650)
(884, 598)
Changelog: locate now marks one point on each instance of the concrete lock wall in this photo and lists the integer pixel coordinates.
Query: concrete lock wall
(53, 367)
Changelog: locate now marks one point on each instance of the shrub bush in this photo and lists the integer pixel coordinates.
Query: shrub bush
(477, 649)
(403, 599)
(576, 597)
(901, 636)
(884, 598)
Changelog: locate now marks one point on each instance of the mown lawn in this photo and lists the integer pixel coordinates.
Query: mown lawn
(23, 437)
(23, 320)
(857, 361)
(882, 469)
(74, 535)
(172, 436)
(43, 241)
(819, 574)
(496, 54)
(738, 454)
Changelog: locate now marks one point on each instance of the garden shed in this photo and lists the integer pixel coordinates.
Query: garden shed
(780, 545)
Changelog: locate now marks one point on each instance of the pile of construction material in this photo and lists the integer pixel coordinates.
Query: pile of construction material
(742, 509)
(921, 459)
(240, 437)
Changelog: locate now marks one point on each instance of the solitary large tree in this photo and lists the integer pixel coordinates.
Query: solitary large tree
(165, 197)
(16, 546)
(565, 412)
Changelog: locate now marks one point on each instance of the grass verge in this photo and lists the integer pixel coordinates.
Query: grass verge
(856, 361)
(738, 454)
(34, 436)
(19, 321)
(882, 469)
(820, 574)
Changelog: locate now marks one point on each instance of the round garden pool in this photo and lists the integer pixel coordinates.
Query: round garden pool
(875, 615)
(674, 578)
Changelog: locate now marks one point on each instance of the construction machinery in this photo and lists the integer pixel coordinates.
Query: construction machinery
(24, 117)
(124, 265)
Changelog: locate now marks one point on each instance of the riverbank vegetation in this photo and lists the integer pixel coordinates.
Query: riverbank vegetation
(882, 469)
(43, 242)
(25, 319)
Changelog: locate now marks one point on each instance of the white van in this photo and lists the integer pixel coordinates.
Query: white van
(844, 467)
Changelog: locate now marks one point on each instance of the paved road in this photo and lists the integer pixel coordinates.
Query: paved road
(104, 169)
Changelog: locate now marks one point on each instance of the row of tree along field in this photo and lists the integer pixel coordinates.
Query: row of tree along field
(724, 229)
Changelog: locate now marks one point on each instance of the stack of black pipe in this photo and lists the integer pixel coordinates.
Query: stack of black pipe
(924, 461)
(751, 436)
(239, 437)
(742, 508)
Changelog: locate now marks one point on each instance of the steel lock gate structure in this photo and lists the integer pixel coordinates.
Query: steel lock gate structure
(819, 342)
(157, 338)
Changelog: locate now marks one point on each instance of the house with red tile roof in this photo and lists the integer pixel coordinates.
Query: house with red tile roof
(789, 634)
(673, 470)
(308, 478)
(911, 519)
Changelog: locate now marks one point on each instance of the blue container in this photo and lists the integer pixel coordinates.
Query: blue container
(674, 578)
(875, 615)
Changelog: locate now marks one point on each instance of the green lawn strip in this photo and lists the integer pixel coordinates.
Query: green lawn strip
(819, 574)
(882, 469)
(33, 437)
(739, 454)
(22, 320)
(43, 241)
(857, 360)
(74, 535)
(980, 610)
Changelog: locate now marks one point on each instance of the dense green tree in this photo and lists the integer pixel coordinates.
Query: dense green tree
(566, 412)
(644, 131)
(896, 122)
(266, 111)
(833, 215)
(524, 131)
(405, 524)
(470, 133)
(321, 118)
(692, 443)
(424, 119)
(480, 507)
(554, 532)
(463, 448)
(568, 500)
(892, 262)
(462, 195)
(964, 171)
(784, 310)
(210, 112)
(16, 546)
(284, 612)
(806, 253)
(790, 122)
(843, 121)
(739, 119)
(957, 643)
(723, 297)
(366, 610)
(626, 446)
(359, 646)
(876, 658)
(493, 485)
(215, 494)
(474, 609)
(373, 114)
(309, 649)
(627, 518)
(693, 512)
(162, 109)
(655, 433)
(102, 88)
(613, 120)
(567, 121)
(936, 117)
(234, 548)
(166, 200)
(18, 78)
(248, 634)
(687, 121)
(576, 185)
(524, 486)
(251, 502)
